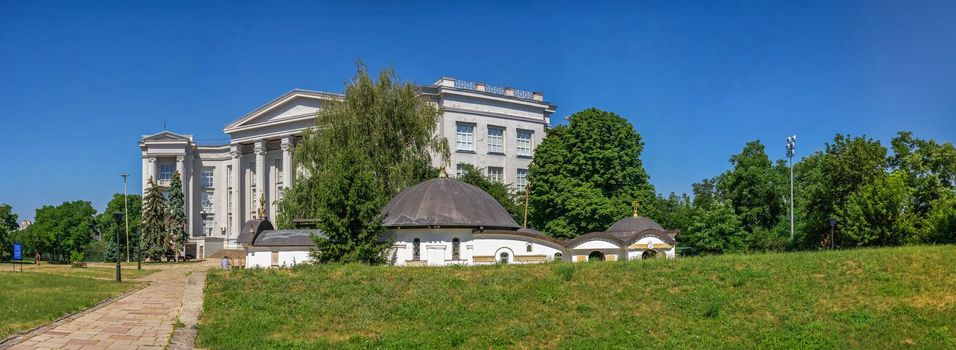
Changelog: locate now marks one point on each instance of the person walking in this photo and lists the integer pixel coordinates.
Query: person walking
(225, 263)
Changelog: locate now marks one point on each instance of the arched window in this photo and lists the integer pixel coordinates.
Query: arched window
(527, 248)
(648, 254)
(558, 256)
(417, 249)
(503, 258)
(455, 249)
(596, 256)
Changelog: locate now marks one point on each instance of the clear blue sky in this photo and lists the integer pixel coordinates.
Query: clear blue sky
(80, 82)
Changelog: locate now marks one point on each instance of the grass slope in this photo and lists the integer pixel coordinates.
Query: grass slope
(865, 299)
(29, 299)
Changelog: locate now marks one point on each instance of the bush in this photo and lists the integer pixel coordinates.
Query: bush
(76, 259)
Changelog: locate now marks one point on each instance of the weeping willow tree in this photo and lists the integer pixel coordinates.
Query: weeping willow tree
(364, 149)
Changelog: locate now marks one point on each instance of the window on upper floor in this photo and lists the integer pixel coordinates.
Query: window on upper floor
(460, 169)
(278, 165)
(496, 173)
(496, 140)
(523, 142)
(207, 201)
(522, 179)
(207, 177)
(465, 137)
(166, 172)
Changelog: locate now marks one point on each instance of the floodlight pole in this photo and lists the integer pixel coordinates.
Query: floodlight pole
(791, 149)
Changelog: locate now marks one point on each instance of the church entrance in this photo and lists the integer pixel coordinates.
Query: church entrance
(596, 256)
(649, 254)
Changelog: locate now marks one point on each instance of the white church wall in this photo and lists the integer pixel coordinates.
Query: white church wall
(435, 246)
(517, 248)
(261, 256)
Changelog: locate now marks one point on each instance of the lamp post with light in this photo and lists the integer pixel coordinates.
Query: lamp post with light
(791, 150)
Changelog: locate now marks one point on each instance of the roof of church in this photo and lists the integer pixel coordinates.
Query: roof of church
(626, 231)
(297, 237)
(634, 224)
(446, 202)
(252, 228)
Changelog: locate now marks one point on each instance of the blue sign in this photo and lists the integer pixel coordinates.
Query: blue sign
(17, 251)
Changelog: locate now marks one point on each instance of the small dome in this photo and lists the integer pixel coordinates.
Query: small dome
(446, 202)
(634, 224)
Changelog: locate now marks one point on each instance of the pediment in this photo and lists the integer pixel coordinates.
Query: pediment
(291, 106)
(167, 136)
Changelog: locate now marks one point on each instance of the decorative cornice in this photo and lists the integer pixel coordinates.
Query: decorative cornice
(288, 147)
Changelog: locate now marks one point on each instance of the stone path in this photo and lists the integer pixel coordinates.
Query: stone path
(142, 320)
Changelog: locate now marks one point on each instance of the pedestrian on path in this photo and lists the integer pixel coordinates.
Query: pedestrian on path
(225, 263)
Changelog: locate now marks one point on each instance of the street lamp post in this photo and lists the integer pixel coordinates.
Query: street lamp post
(118, 217)
(126, 214)
(791, 150)
(832, 225)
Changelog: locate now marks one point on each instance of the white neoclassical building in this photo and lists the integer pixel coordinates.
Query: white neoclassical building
(495, 129)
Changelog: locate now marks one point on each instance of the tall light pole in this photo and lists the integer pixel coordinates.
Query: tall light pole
(118, 218)
(126, 213)
(791, 149)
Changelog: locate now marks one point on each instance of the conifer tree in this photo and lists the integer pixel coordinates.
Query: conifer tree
(153, 225)
(177, 216)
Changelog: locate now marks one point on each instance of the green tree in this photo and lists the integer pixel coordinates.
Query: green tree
(177, 217)
(929, 168)
(63, 229)
(879, 213)
(941, 220)
(8, 226)
(825, 181)
(754, 188)
(674, 212)
(497, 190)
(109, 228)
(364, 149)
(153, 223)
(585, 174)
(715, 230)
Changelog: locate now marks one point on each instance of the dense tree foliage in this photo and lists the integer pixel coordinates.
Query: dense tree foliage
(586, 174)
(8, 226)
(512, 202)
(176, 220)
(153, 232)
(364, 149)
(109, 228)
(715, 230)
(60, 230)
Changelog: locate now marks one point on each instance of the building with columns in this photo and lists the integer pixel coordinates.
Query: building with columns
(495, 129)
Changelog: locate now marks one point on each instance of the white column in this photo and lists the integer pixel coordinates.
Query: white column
(261, 185)
(188, 193)
(149, 171)
(287, 162)
(236, 194)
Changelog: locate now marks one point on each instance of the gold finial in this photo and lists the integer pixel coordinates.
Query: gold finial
(441, 171)
(262, 206)
(634, 208)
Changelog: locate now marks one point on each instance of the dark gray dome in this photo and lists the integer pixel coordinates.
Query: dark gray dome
(446, 202)
(634, 224)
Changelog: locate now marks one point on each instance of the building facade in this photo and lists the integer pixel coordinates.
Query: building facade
(492, 128)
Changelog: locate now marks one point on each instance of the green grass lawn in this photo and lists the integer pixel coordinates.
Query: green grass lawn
(865, 299)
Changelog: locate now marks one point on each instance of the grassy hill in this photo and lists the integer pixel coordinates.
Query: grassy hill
(868, 298)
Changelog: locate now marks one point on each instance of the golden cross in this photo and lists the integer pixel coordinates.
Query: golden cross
(634, 208)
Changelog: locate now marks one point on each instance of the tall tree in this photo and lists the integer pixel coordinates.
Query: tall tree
(63, 229)
(827, 179)
(879, 213)
(177, 217)
(109, 228)
(499, 191)
(153, 225)
(586, 173)
(715, 230)
(364, 150)
(753, 188)
(8, 226)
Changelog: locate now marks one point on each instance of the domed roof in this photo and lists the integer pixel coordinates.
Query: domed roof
(634, 224)
(446, 202)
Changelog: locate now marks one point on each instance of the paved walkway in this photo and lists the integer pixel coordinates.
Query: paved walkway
(141, 320)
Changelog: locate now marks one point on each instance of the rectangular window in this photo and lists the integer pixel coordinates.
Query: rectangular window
(465, 137)
(207, 199)
(524, 142)
(166, 172)
(496, 173)
(278, 165)
(496, 140)
(522, 179)
(207, 176)
(207, 225)
(460, 170)
(229, 176)
(252, 173)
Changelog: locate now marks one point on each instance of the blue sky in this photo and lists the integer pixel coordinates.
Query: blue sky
(81, 82)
